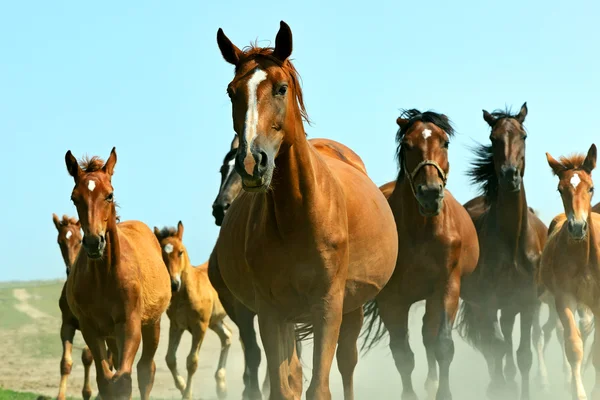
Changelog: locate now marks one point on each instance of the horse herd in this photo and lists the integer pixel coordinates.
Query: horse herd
(312, 247)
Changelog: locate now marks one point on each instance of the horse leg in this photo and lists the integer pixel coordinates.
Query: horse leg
(394, 315)
(495, 350)
(67, 333)
(431, 382)
(86, 359)
(585, 323)
(595, 353)
(175, 334)
(295, 379)
(560, 335)
(507, 323)
(244, 319)
(524, 353)
(128, 336)
(198, 333)
(538, 342)
(565, 306)
(146, 367)
(276, 340)
(347, 352)
(224, 333)
(97, 346)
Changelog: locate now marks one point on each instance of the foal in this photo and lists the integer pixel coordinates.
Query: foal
(570, 266)
(437, 244)
(69, 241)
(195, 307)
(118, 287)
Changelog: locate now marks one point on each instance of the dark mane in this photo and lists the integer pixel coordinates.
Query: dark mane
(413, 115)
(253, 52)
(483, 172)
(573, 161)
(92, 164)
(167, 231)
(506, 113)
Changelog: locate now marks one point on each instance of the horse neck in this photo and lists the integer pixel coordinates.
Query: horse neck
(294, 183)
(511, 215)
(107, 264)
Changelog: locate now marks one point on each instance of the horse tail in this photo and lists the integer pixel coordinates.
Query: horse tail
(304, 331)
(469, 325)
(375, 329)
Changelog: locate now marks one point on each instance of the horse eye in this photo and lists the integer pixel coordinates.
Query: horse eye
(446, 144)
(109, 198)
(591, 190)
(524, 137)
(282, 90)
(180, 253)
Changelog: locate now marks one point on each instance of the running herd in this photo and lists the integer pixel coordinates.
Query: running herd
(311, 246)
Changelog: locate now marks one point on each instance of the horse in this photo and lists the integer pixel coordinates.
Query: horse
(195, 307)
(310, 239)
(511, 239)
(69, 241)
(118, 287)
(438, 245)
(570, 263)
(229, 189)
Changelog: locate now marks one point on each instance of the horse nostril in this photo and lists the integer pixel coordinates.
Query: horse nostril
(102, 239)
(264, 159)
(226, 206)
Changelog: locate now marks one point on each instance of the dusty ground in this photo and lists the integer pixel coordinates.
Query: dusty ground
(30, 353)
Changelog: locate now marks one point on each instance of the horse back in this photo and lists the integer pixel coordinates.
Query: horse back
(333, 149)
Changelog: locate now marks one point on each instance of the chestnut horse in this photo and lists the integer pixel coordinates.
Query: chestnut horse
(511, 239)
(570, 264)
(310, 239)
(195, 307)
(229, 189)
(118, 287)
(69, 241)
(438, 245)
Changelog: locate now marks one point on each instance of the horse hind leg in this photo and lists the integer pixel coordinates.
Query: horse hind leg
(224, 333)
(432, 380)
(524, 353)
(244, 319)
(347, 352)
(86, 359)
(146, 368)
(538, 341)
(198, 333)
(175, 334)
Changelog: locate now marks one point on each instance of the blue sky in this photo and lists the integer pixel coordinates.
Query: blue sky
(148, 78)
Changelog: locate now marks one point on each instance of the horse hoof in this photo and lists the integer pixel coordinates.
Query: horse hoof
(409, 396)
(431, 385)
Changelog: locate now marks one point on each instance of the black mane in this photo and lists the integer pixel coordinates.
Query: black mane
(413, 115)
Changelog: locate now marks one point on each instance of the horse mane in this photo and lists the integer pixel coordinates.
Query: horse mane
(503, 114)
(483, 172)
(66, 220)
(413, 115)
(167, 231)
(573, 161)
(253, 52)
(91, 164)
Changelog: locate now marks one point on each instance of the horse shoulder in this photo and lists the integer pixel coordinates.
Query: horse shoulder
(333, 149)
(468, 241)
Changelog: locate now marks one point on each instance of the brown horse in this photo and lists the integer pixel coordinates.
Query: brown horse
(69, 241)
(118, 287)
(438, 245)
(310, 239)
(195, 307)
(571, 259)
(229, 189)
(511, 239)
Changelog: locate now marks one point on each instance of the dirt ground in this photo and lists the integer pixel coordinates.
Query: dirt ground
(34, 365)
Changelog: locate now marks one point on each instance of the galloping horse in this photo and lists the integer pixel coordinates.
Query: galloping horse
(195, 307)
(229, 189)
(437, 243)
(511, 239)
(570, 264)
(310, 239)
(118, 287)
(69, 241)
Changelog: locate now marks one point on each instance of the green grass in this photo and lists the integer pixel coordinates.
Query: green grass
(6, 394)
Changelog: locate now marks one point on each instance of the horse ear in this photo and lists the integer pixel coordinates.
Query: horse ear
(109, 167)
(489, 118)
(78, 223)
(401, 122)
(180, 230)
(283, 42)
(73, 166)
(555, 165)
(590, 161)
(229, 51)
(156, 232)
(56, 221)
(522, 113)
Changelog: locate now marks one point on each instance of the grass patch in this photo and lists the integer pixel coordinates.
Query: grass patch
(6, 394)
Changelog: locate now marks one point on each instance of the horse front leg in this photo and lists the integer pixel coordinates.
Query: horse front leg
(524, 353)
(128, 337)
(565, 306)
(67, 333)
(347, 352)
(221, 329)
(97, 346)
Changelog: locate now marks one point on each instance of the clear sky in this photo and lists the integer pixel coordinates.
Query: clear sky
(148, 78)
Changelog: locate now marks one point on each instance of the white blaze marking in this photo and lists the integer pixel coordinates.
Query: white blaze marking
(575, 180)
(168, 248)
(91, 185)
(426, 133)
(252, 112)
(69, 234)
